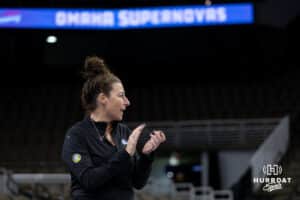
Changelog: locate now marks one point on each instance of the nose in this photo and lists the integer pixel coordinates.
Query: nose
(127, 102)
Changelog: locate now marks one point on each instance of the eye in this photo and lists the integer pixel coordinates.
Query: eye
(122, 95)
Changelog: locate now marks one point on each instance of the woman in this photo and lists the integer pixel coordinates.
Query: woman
(99, 151)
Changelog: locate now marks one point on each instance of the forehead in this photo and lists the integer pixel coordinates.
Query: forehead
(117, 87)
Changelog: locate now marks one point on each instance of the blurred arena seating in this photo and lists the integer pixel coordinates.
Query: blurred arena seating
(33, 131)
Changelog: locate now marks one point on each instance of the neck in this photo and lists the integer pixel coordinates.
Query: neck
(98, 116)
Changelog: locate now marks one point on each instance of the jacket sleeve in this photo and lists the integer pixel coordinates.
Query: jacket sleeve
(142, 169)
(77, 158)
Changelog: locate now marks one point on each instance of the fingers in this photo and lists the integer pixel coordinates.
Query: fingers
(133, 138)
(160, 136)
(156, 138)
(137, 132)
(163, 136)
(139, 128)
(154, 142)
(148, 148)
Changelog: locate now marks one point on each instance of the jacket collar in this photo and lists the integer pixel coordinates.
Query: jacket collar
(88, 122)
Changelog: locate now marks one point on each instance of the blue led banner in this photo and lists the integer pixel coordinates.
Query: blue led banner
(150, 17)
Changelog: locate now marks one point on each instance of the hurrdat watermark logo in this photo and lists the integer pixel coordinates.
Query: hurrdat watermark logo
(273, 180)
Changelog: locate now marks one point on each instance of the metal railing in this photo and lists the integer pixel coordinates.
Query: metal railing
(214, 134)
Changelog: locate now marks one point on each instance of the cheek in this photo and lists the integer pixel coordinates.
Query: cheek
(114, 106)
(110, 107)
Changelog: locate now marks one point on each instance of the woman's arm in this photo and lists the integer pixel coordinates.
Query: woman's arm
(77, 158)
(143, 162)
(142, 169)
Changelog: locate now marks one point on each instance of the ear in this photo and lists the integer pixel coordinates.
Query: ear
(102, 98)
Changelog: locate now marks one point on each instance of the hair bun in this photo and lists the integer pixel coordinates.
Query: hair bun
(94, 66)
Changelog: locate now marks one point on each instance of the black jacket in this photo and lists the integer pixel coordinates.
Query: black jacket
(100, 170)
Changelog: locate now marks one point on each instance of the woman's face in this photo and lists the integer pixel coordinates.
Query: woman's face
(116, 103)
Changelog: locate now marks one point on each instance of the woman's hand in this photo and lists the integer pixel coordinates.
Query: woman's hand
(157, 137)
(133, 138)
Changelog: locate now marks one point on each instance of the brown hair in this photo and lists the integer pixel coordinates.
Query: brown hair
(98, 79)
